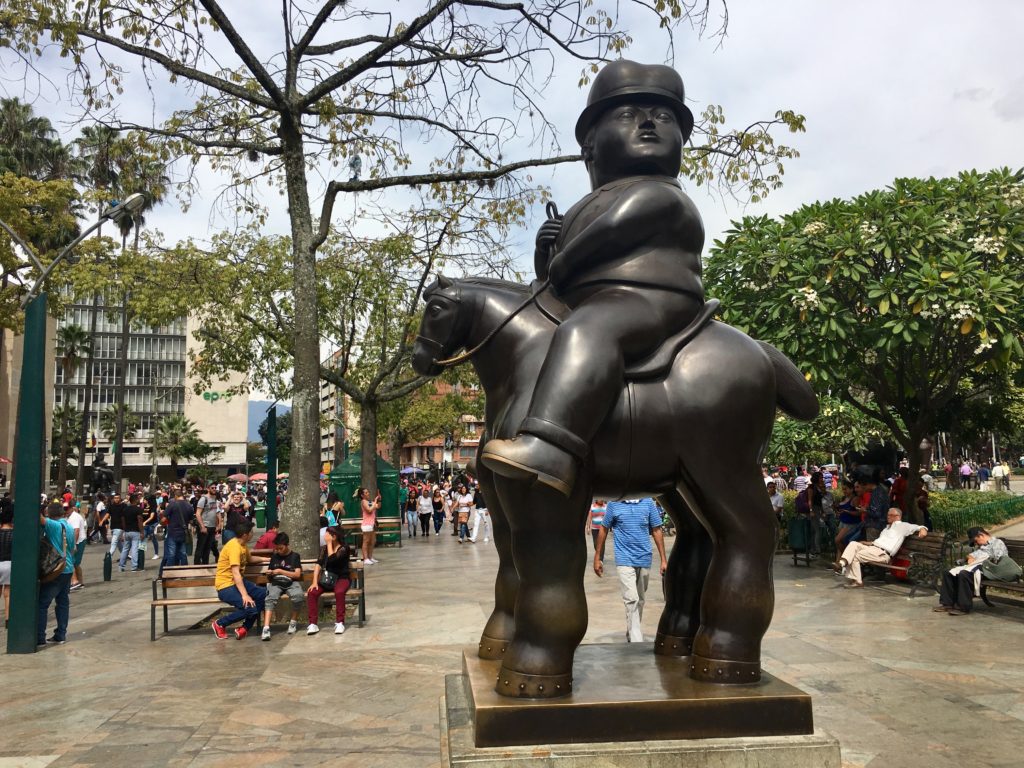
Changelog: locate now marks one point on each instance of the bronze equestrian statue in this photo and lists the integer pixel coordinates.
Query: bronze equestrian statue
(608, 378)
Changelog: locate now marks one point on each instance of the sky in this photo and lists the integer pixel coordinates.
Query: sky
(889, 89)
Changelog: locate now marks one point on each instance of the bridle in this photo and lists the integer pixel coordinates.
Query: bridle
(458, 359)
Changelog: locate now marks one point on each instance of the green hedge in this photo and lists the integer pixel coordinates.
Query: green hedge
(956, 511)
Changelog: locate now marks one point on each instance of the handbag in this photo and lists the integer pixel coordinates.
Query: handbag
(327, 579)
(280, 580)
(52, 562)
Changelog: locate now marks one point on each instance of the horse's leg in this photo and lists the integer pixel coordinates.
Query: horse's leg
(498, 631)
(550, 554)
(684, 579)
(738, 598)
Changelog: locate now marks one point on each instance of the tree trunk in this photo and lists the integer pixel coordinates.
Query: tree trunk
(396, 449)
(62, 470)
(299, 516)
(83, 435)
(368, 445)
(911, 512)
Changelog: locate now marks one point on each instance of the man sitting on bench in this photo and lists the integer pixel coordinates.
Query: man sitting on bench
(990, 559)
(880, 551)
(232, 587)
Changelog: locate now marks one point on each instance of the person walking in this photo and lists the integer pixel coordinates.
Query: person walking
(464, 505)
(595, 519)
(482, 518)
(133, 532)
(440, 507)
(208, 516)
(425, 511)
(151, 513)
(61, 536)
(176, 517)
(330, 574)
(635, 523)
(410, 511)
(115, 519)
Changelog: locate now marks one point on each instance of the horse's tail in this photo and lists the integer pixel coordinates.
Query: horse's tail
(792, 392)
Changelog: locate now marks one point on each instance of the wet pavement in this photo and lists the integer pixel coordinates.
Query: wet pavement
(898, 684)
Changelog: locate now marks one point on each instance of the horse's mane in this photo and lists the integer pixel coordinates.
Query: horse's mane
(483, 282)
(496, 282)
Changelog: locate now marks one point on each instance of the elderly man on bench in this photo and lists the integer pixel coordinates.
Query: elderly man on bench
(879, 551)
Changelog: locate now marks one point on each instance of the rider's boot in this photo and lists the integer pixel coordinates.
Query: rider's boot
(529, 457)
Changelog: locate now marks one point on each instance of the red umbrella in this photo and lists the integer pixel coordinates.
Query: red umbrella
(238, 477)
(5, 460)
(258, 476)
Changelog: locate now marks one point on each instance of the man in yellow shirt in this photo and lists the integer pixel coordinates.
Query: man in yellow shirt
(233, 589)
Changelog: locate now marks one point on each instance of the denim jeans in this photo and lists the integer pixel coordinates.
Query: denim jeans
(463, 530)
(174, 554)
(116, 537)
(233, 597)
(438, 521)
(151, 535)
(59, 589)
(131, 549)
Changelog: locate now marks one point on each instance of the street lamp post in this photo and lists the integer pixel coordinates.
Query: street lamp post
(22, 623)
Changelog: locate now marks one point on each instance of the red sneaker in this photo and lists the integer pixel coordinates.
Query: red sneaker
(241, 632)
(219, 631)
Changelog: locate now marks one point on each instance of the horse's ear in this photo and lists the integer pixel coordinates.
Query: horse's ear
(444, 282)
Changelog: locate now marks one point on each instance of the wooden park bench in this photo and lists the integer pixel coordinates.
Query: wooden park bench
(920, 561)
(1015, 548)
(389, 531)
(202, 577)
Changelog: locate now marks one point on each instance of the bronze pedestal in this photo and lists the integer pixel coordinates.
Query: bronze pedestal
(627, 693)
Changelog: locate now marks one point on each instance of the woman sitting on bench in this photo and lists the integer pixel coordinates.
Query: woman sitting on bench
(330, 574)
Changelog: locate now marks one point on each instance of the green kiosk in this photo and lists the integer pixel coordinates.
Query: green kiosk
(346, 478)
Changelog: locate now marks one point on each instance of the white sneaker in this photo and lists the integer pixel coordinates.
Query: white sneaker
(155, 557)
(339, 628)
(265, 635)
(293, 627)
(437, 534)
(374, 560)
(312, 629)
(486, 539)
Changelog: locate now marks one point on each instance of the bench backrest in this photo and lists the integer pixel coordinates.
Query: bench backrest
(180, 576)
(934, 545)
(1015, 548)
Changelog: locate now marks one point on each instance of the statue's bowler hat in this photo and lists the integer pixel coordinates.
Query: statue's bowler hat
(622, 80)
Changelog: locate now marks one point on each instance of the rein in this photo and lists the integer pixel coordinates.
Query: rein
(457, 359)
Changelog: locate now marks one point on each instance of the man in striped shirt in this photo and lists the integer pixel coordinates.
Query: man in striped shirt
(634, 523)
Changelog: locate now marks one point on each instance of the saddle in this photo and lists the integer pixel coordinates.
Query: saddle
(655, 365)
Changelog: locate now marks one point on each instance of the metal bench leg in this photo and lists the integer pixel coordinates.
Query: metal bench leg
(362, 609)
(152, 623)
(165, 620)
(984, 596)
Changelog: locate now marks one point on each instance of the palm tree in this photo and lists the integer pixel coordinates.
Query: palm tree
(108, 424)
(73, 343)
(65, 427)
(176, 438)
(26, 141)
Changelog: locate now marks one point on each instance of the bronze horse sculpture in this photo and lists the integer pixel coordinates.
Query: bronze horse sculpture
(690, 427)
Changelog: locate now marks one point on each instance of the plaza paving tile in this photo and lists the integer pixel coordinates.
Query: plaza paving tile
(896, 683)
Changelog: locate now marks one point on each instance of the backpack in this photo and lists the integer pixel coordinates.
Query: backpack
(803, 502)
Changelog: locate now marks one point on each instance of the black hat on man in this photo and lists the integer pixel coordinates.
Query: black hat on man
(622, 80)
(973, 533)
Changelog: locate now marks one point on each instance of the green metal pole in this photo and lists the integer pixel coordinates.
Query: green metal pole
(21, 634)
(272, 465)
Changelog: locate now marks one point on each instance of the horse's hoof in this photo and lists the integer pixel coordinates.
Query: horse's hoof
(523, 686)
(492, 648)
(669, 645)
(724, 671)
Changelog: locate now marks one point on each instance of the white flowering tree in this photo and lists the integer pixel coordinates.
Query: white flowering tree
(889, 300)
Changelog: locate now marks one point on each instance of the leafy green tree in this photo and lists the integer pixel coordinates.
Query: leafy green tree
(176, 438)
(890, 299)
(363, 89)
(838, 428)
(256, 457)
(29, 145)
(284, 441)
(73, 345)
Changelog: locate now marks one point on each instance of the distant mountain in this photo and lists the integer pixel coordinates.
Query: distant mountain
(258, 412)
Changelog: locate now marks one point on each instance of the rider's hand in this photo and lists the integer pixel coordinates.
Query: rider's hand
(546, 236)
(598, 567)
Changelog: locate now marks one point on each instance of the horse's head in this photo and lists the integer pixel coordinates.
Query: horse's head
(440, 330)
